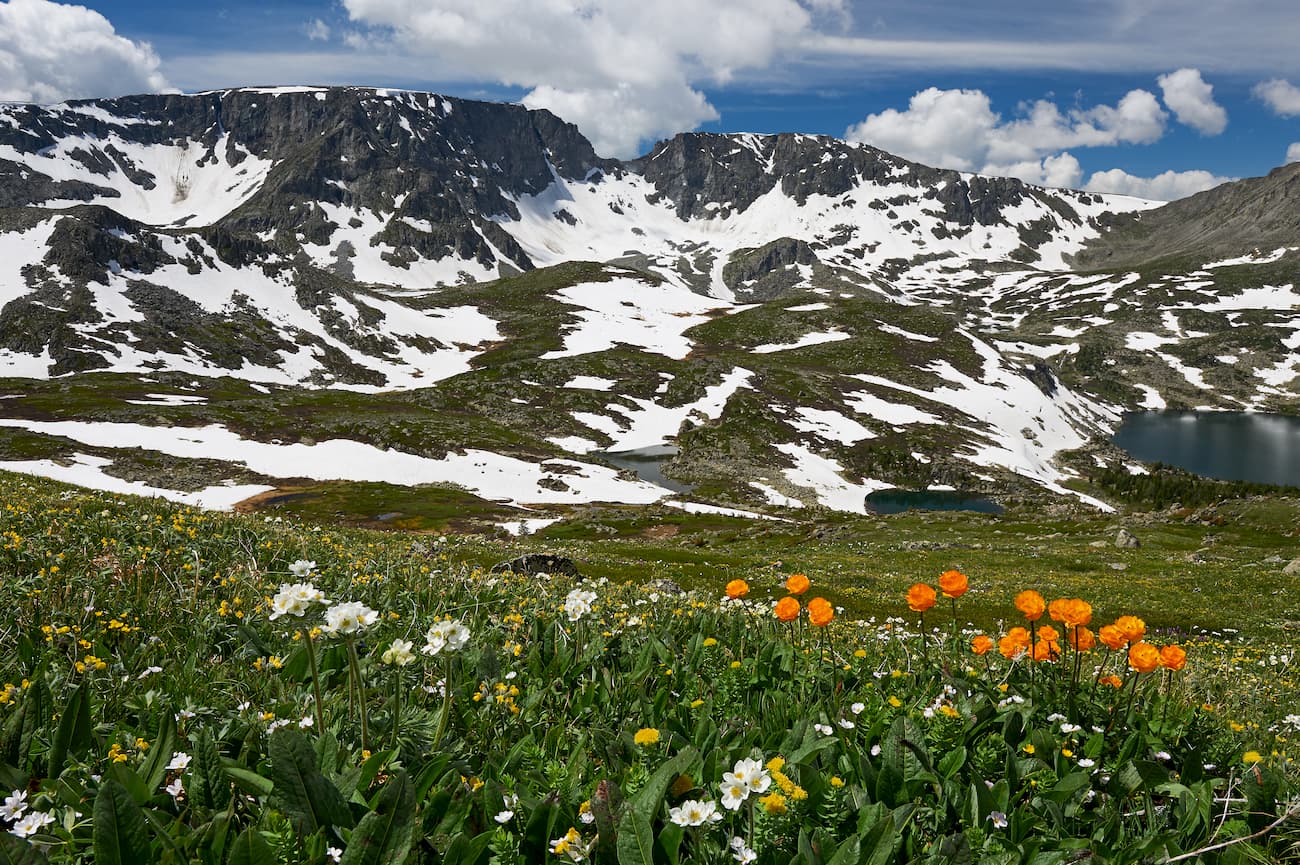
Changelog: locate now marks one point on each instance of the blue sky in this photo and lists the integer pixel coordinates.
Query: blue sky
(1150, 97)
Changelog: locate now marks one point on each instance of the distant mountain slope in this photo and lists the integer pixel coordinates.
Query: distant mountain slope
(792, 320)
(1257, 214)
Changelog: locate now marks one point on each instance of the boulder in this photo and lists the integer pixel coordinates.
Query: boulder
(538, 563)
(1292, 567)
(1127, 540)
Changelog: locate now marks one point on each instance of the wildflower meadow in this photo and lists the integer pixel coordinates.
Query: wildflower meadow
(180, 686)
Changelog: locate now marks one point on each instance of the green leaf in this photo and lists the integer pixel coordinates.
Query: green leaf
(306, 795)
(668, 844)
(849, 852)
(120, 835)
(536, 843)
(635, 840)
(73, 733)
(209, 787)
(154, 769)
(16, 851)
(646, 801)
(250, 782)
(384, 836)
(250, 848)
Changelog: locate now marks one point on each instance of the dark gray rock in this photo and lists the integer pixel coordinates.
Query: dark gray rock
(538, 563)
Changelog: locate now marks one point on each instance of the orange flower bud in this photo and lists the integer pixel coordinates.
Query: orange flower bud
(1173, 658)
(797, 584)
(953, 584)
(820, 612)
(921, 598)
(1143, 657)
(981, 644)
(786, 609)
(1031, 604)
(737, 589)
(1112, 680)
(1048, 634)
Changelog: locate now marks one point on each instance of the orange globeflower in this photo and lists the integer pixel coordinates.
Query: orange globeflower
(1056, 609)
(1075, 612)
(1014, 643)
(1031, 604)
(786, 609)
(1132, 628)
(820, 612)
(797, 584)
(1111, 636)
(1081, 639)
(1047, 650)
(1143, 657)
(1048, 633)
(1173, 658)
(921, 598)
(737, 589)
(953, 584)
(1112, 680)
(981, 644)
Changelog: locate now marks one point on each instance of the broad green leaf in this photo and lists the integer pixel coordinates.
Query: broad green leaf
(154, 769)
(648, 798)
(209, 786)
(120, 835)
(849, 852)
(250, 848)
(16, 851)
(384, 836)
(73, 733)
(635, 839)
(306, 795)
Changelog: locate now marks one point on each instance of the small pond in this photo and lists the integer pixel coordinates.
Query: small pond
(647, 464)
(1233, 446)
(898, 501)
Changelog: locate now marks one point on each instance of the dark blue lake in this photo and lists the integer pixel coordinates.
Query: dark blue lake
(1233, 446)
(647, 464)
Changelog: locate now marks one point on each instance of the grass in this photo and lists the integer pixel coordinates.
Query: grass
(155, 710)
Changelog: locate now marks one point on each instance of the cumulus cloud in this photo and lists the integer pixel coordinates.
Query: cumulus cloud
(1293, 153)
(1280, 95)
(624, 70)
(1167, 186)
(54, 51)
(959, 129)
(1192, 101)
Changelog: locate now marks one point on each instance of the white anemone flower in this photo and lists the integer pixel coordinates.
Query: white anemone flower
(450, 635)
(14, 806)
(32, 823)
(399, 654)
(180, 762)
(733, 794)
(302, 568)
(693, 812)
(349, 618)
(578, 603)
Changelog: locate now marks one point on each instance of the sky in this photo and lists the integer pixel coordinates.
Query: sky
(1156, 98)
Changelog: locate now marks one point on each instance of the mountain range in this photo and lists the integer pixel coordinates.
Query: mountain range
(242, 292)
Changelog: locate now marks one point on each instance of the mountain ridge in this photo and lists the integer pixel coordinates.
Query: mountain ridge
(804, 320)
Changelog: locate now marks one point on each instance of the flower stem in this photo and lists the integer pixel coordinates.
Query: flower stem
(446, 704)
(315, 684)
(354, 663)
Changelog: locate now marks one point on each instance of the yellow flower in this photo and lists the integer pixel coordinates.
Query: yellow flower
(646, 736)
(709, 641)
(895, 702)
(695, 704)
(1252, 757)
(774, 803)
(798, 793)
(735, 665)
(142, 744)
(1028, 749)
(837, 781)
(776, 764)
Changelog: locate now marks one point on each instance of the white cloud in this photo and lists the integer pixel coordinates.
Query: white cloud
(620, 118)
(958, 129)
(625, 70)
(1167, 186)
(1280, 95)
(1293, 153)
(1192, 101)
(54, 51)
(317, 30)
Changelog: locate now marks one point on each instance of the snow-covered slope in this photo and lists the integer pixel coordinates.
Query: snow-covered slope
(792, 320)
